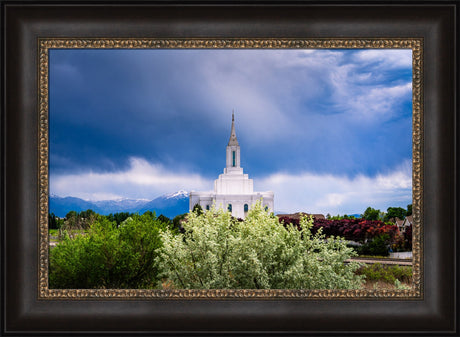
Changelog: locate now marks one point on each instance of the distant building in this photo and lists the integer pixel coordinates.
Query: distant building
(398, 222)
(407, 222)
(403, 224)
(233, 190)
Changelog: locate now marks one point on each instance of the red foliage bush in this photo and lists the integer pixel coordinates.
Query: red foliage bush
(358, 230)
(408, 238)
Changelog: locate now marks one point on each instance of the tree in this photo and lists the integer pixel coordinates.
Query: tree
(87, 218)
(53, 221)
(371, 214)
(72, 215)
(395, 212)
(409, 210)
(109, 256)
(198, 209)
(165, 219)
(216, 251)
(378, 246)
(178, 219)
(119, 217)
(71, 225)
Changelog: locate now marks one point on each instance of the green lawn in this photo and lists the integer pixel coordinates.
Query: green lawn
(53, 232)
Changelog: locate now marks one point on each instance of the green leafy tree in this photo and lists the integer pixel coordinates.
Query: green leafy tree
(76, 223)
(71, 226)
(197, 209)
(341, 217)
(371, 214)
(378, 246)
(394, 212)
(218, 251)
(54, 222)
(409, 210)
(118, 217)
(109, 256)
(71, 217)
(165, 219)
(178, 220)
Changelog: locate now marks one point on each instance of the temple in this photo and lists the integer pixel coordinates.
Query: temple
(233, 190)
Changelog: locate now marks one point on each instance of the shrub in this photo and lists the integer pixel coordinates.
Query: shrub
(378, 246)
(178, 220)
(408, 238)
(386, 273)
(375, 236)
(118, 217)
(358, 230)
(109, 256)
(217, 251)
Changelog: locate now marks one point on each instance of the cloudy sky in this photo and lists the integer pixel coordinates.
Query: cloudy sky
(328, 131)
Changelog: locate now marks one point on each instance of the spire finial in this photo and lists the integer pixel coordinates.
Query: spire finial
(233, 140)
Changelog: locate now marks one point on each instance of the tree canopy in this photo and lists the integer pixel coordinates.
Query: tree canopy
(395, 212)
(371, 214)
(409, 210)
(108, 255)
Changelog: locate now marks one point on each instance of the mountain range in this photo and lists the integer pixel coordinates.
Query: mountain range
(169, 205)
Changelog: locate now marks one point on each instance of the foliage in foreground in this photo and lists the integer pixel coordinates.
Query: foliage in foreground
(109, 256)
(217, 251)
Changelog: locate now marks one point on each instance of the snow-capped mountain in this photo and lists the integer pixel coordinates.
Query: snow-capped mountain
(114, 206)
(169, 205)
(61, 206)
(177, 195)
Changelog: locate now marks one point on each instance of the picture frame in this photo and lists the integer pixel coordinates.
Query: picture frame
(47, 46)
(28, 311)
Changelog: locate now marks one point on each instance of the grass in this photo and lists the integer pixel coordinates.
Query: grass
(380, 276)
(54, 234)
(379, 285)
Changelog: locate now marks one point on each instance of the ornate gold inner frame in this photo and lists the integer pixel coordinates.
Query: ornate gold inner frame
(414, 293)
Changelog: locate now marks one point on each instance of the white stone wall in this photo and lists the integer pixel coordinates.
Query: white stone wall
(268, 200)
(236, 200)
(229, 183)
(239, 200)
(201, 198)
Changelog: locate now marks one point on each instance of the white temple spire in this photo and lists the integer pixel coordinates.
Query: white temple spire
(233, 151)
(233, 190)
(233, 141)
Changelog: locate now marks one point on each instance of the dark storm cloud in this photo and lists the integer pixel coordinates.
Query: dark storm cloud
(338, 112)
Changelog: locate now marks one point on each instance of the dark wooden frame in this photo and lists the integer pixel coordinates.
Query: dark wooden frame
(25, 22)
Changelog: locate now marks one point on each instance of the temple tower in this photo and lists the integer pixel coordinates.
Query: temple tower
(233, 190)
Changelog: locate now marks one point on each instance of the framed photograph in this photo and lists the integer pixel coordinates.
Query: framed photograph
(335, 129)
